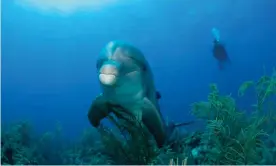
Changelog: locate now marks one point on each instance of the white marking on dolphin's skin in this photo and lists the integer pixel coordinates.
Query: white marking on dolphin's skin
(109, 48)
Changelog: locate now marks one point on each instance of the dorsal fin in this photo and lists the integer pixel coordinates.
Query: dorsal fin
(158, 95)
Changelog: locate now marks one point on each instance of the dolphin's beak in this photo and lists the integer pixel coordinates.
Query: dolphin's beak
(108, 74)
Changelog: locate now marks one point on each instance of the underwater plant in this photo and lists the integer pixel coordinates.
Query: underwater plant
(86, 151)
(231, 136)
(132, 144)
(21, 146)
(16, 145)
(265, 90)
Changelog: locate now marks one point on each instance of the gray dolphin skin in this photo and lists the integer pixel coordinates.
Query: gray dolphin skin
(127, 81)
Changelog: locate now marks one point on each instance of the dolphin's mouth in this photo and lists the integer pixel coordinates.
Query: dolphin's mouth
(108, 74)
(107, 79)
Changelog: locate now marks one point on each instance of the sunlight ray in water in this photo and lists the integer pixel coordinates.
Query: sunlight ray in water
(65, 6)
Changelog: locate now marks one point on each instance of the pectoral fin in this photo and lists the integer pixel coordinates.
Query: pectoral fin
(153, 121)
(98, 110)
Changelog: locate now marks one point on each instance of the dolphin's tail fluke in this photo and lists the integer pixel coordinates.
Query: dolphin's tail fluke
(183, 124)
(173, 132)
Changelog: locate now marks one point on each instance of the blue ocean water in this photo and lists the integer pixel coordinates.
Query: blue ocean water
(49, 56)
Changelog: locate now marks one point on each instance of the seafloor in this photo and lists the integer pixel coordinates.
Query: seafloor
(231, 136)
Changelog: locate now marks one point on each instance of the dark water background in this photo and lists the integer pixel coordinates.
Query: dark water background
(48, 58)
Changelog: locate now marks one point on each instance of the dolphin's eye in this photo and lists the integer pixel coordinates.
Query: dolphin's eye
(136, 61)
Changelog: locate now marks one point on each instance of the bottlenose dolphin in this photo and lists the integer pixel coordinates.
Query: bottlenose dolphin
(127, 82)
